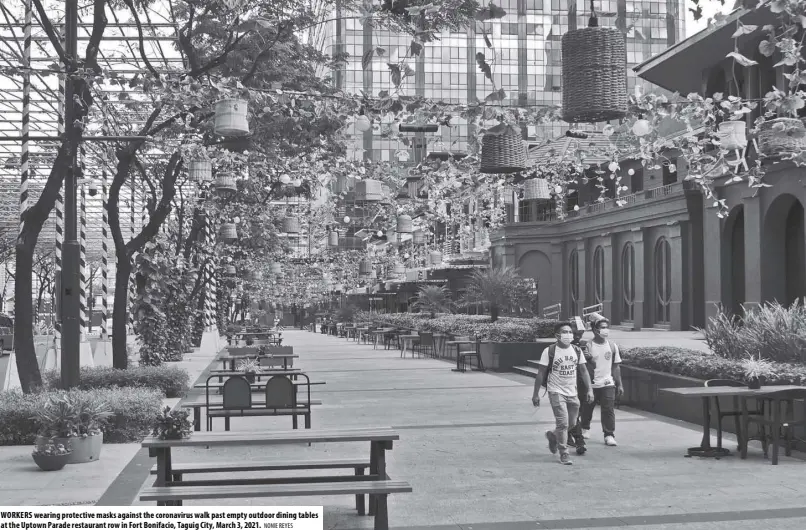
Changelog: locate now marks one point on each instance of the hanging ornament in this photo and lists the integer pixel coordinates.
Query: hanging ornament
(362, 124)
(613, 167)
(297, 183)
(641, 128)
(346, 219)
(631, 172)
(285, 179)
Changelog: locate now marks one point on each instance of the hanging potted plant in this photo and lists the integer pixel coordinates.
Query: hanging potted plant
(755, 370)
(172, 425)
(249, 367)
(732, 130)
(74, 420)
(51, 456)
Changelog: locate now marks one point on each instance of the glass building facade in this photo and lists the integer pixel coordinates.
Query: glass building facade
(525, 59)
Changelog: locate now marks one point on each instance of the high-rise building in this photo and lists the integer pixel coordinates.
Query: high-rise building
(525, 59)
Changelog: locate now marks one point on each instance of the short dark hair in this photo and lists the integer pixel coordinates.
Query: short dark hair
(560, 325)
(598, 323)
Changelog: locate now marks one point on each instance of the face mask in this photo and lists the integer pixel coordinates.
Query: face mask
(604, 332)
(566, 338)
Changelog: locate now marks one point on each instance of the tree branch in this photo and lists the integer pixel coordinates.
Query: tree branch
(140, 43)
(55, 41)
(218, 61)
(262, 55)
(163, 208)
(99, 23)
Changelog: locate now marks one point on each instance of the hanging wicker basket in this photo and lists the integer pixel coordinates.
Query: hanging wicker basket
(231, 117)
(275, 268)
(507, 195)
(225, 184)
(404, 224)
(200, 170)
(351, 243)
(229, 270)
(536, 189)
(594, 75)
(503, 150)
(333, 239)
(368, 190)
(781, 136)
(364, 267)
(398, 269)
(291, 225)
(733, 134)
(227, 232)
(418, 237)
(343, 184)
(435, 258)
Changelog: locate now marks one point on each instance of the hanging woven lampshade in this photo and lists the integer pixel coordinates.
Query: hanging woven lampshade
(418, 237)
(536, 189)
(230, 117)
(503, 150)
(364, 267)
(291, 225)
(435, 258)
(227, 232)
(594, 74)
(333, 239)
(200, 170)
(404, 224)
(225, 184)
(368, 190)
(275, 268)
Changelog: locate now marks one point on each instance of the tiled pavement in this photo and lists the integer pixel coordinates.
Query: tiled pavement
(472, 447)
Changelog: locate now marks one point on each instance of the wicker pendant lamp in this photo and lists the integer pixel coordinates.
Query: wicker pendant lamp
(594, 73)
(503, 150)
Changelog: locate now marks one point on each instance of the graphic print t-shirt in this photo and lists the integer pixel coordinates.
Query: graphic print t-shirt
(602, 359)
(563, 375)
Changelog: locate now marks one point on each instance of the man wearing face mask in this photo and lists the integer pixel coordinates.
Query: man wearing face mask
(559, 366)
(604, 360)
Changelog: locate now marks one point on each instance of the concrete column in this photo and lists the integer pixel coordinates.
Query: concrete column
(559, 279)
(640, 279)
(752, 251)
(582, 256)
(609, 277)
(712, 258)
(509, 257)
(678, 269)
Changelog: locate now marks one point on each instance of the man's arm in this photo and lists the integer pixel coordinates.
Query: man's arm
(542, 372)
(582, 370)
(617, 378)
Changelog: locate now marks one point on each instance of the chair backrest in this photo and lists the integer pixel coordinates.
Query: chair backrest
(426, 338)
(552, 311)
(280, 393)
(466, 347)
(237, 393)
(724, 382)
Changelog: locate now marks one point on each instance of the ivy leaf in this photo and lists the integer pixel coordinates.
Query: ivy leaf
(408, 72)
(383, 94)
(696, 12)
(483, 66)
(366, 60)
(491, 12)
(380, 51)
(487, 40)
(499, 95)
(416, 48)
(744, 30)
(741, 59)
(766, 48)
(395, 74)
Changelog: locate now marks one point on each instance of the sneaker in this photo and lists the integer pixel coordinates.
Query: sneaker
(611, 441)
(586, 433)
(552, 442)
(565, 459)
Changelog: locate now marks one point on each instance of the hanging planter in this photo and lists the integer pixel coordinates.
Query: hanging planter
(507, 196)
(418, 237)
(536, 189)
(399, 269)
(594, 74)
(276, 268)
(200, 170)
(435, 258)
(364, 267)
(229, 270)
(231, 117)
(225, 184)
(333, 239)
(503, 150)
(781, 136)
(733, 134)
(291, 225)
(227, 232)
(368, 190)
(404, 224)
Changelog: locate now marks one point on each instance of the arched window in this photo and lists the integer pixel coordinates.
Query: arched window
(573, 282)
(599, 275)
(663, 281)
(628, 283)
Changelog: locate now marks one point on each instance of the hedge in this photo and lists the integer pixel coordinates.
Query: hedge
(505, 329)
(700, 365)
(171, 380)
(135, 411)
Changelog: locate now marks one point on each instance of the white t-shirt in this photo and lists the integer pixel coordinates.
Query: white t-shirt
(563, 374)
(602, 360)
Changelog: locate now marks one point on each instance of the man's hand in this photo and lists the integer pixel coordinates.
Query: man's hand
(590, 396)
(619, 391)
(536, 401)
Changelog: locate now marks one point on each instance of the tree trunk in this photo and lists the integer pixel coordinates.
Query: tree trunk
(493, 313)
(120, 312)
(27, 363)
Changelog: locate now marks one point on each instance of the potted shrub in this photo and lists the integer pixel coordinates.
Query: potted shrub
(74, 420)
(50, 455)
(249, 367)
(433, 299)
(755, 370)
(172, 425)
(250, 341)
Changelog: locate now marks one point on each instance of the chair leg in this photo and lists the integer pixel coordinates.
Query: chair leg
(776, 432)
(360, 507)
(381, 513)
(308, 420)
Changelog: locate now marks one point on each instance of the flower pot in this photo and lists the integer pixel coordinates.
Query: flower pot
(404, 224)
(228, 232)
(781, 136)
(754, 384)
(333, 239)
(733, 135)
(418, 237)
(250, 376)
(291, 225)
(535, 189)
(200, 170)
(51, 462)
(368, 190)
(83, 449)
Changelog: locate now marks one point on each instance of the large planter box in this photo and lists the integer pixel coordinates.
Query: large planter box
(503, 356)
(641, 391)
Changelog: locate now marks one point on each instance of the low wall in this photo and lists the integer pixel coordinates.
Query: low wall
(503, 356)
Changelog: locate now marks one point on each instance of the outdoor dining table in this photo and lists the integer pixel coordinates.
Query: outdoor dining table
(232, 359)
(440, 344)
(407, 342)
(706, 393)
(458, 344)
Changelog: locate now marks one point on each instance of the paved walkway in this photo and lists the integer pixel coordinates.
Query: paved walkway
(472, 446)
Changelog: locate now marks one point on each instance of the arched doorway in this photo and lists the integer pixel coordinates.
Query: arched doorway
(663, 281)
(733, 295)
(598, 275)
(783, 251)
(535, 264)
(628, 283)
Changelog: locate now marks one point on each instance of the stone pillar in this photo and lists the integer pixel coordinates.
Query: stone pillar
(640, 279)
(559, 279)
(582, 261)
(753, 278)
(609, 276)
(509, 257)
(712, 258)
(678, 269)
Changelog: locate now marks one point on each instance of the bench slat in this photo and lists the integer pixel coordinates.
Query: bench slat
(266, 465)
(220, 413)
(222, 439)
(175, 493)
(256, 403)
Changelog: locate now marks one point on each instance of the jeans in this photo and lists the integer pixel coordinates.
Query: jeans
(566, 410)
(606, 398)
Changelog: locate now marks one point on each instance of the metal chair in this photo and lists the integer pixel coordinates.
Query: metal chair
(236, 395)
(466, 355)
(736, 413)
(781, 424)
(426, 343)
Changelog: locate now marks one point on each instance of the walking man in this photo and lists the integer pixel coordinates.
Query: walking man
(558, 369)
(604, 360)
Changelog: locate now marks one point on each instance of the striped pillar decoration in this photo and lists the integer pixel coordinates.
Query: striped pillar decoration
(132, 287)
(82, 242)
(209, 313)
(57, 325)
(104, 260)
(26, 112)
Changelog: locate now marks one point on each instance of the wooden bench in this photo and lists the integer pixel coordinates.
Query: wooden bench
(552, 311)
(197, 405)
(380, 489)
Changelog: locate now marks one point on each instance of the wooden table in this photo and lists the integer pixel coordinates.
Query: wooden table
(706, 393)
(199, 404)
(233, 358)
(459, 343)
(257, 384)
(381, 440)
(407, 342)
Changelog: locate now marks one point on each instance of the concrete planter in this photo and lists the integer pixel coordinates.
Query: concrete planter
(82, 449)
(502, 356)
